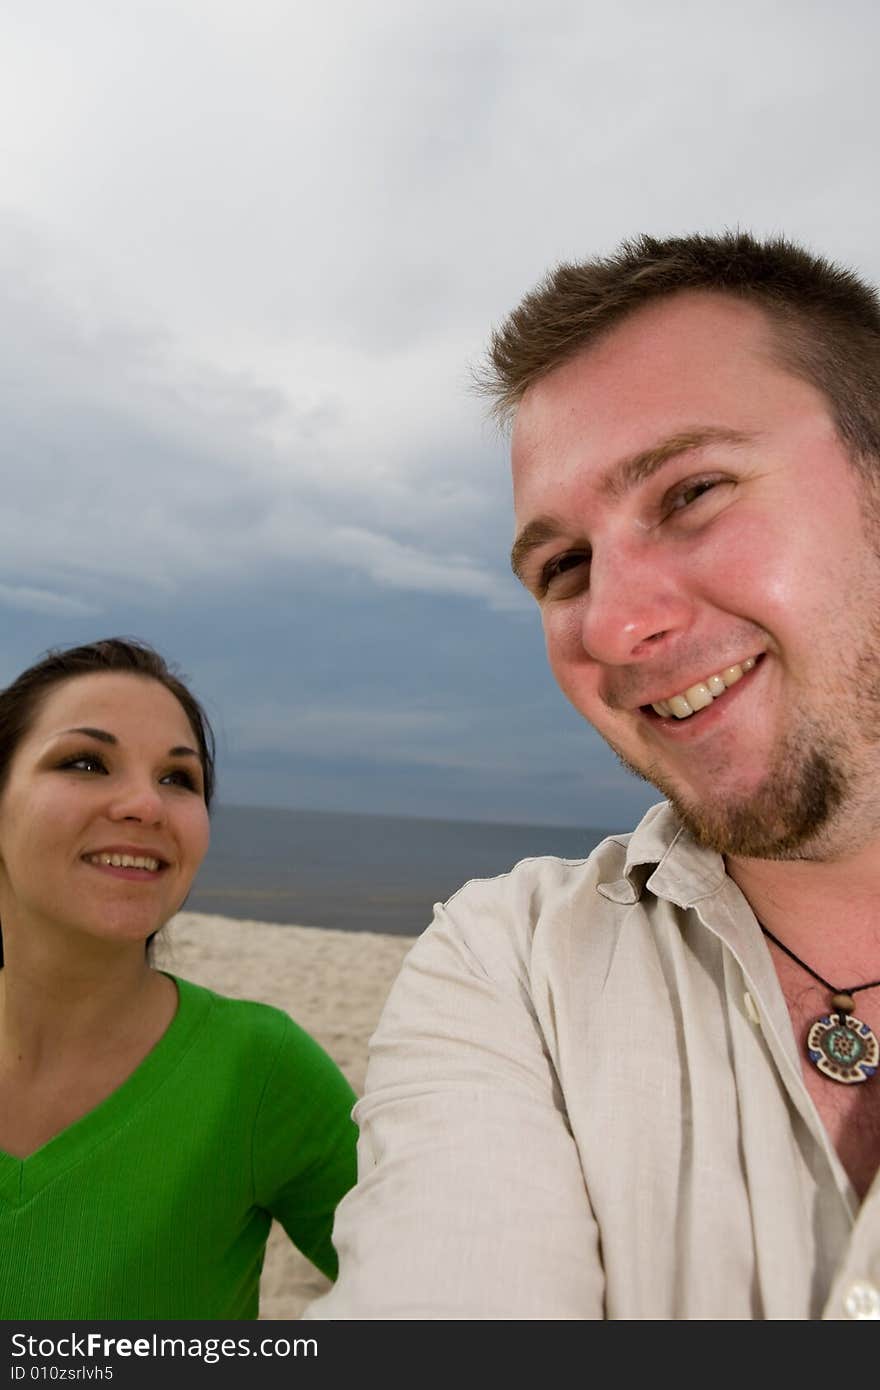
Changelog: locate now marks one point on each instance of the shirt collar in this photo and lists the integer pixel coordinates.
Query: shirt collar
(664, 858)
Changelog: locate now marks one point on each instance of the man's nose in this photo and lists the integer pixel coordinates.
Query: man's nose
(636, 605)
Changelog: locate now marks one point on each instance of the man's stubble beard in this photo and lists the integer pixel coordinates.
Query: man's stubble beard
(785, 817)
(798, 809)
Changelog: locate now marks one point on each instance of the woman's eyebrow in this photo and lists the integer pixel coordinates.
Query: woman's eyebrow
(180, 750)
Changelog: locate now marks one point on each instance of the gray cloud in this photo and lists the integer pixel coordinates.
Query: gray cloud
(247, 254)
(45, 601)
(126, 464)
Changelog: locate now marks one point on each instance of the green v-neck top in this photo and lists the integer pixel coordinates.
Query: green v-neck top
(157, 1204)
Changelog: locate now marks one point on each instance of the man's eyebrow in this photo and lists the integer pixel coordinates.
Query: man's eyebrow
(620, 479)
(629, 472)
(179, 751)
(532, 535)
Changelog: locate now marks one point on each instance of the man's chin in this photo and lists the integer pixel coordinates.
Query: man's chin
(785, 816)
(747, 831)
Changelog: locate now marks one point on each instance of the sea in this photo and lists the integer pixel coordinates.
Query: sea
(358, 872)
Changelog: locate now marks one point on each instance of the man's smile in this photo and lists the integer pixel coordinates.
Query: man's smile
(703, 693)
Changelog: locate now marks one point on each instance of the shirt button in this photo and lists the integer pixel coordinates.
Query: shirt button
(751, 1009)
(862, 1301)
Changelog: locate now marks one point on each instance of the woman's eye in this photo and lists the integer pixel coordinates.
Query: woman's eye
(85, 762)
(180, 777)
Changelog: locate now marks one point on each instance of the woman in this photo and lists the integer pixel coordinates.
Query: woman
(149, 1129)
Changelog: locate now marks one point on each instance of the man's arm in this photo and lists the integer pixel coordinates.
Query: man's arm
(471, 1201)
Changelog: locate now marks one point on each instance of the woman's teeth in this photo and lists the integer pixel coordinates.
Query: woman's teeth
(125, 861)
(703, 693)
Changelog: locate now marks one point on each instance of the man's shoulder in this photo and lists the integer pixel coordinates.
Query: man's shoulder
(541, 879)
(542, 902)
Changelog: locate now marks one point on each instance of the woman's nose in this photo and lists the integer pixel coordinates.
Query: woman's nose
(139, 800)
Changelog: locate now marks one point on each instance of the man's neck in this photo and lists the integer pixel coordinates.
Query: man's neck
(827, 911)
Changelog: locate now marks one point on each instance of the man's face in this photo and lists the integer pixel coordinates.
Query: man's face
(688, 517)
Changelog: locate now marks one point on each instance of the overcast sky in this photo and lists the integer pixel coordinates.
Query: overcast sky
(249, 251)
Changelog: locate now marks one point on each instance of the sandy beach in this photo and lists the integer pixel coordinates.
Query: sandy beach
(333, 983)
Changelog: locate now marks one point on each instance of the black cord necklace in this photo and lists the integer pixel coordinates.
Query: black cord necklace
(839, 1044)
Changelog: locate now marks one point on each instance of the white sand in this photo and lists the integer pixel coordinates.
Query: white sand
(333, 983)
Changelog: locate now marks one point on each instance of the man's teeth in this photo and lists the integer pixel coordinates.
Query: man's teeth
(125, 861)
(703, 693)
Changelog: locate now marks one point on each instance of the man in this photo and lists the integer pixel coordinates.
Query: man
(642, 1085)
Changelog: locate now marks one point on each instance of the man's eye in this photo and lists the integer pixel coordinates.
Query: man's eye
(689, 494)
(562, 565)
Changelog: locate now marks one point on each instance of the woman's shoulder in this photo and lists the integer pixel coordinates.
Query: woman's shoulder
(246, 1015)
(250, 1026)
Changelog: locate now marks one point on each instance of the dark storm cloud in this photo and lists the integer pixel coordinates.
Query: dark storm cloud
(248, 254)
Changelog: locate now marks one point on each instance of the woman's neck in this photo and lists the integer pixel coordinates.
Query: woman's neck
(62, 1001)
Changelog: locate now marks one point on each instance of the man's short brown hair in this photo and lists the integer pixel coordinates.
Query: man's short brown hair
(827, 319)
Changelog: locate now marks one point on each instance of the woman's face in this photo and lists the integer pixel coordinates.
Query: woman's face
(103, 822)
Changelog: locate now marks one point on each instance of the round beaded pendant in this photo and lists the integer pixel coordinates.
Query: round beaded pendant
(843, 1047)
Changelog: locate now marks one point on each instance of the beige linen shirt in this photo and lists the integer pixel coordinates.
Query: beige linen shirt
(585, 1100)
